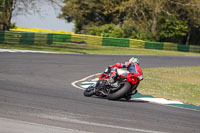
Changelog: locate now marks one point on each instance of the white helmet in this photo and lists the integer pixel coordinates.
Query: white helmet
(134, 60)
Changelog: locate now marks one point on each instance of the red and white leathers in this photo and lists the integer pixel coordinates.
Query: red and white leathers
(131, 67)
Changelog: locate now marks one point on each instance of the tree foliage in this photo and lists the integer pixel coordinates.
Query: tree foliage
(107, 30)
(156, 20)
(85, 12)
(173, 30)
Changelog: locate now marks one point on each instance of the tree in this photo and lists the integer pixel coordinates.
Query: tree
(6, 13)
(113, 11)
(82, 13)
(173, 30)
(141, 19)
(7, 7)
(187, 11)
(107, 30)
(87, 13)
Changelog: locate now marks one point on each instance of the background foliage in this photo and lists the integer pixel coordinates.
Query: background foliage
(175, 21)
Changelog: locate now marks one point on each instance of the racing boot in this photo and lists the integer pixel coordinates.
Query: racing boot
(112, 79)
(134, 92)
(128, 97)
(115, 84)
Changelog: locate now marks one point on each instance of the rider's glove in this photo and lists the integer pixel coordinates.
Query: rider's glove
(112, 66)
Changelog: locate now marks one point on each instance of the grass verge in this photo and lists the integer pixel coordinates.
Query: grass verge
(177, 83)
(84, 49)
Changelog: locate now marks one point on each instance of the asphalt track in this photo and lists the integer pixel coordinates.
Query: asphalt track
(36, 91)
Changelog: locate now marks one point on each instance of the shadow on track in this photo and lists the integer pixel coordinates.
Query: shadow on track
(121, 100)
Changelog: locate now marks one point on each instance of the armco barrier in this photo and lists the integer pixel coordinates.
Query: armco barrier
(194, 49)
(154, 45)
(137, 43)
(2, 36)
(94, 40)
(41, 39)
(86, 39)
(30, 38)
(12, 37)
(49, 38)
(62, 38)
(118, 42)
(27, 38)
(170, 46)
(183, 48)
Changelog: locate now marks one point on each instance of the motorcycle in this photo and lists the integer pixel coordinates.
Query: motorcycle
(123, 85)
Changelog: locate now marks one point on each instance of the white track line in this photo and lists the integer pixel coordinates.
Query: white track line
(24, 51)
(144, 99)
(159, 100)
(103, 125)
(81, 88)
(153, 100)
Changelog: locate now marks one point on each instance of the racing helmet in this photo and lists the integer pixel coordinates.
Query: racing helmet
(134, 60)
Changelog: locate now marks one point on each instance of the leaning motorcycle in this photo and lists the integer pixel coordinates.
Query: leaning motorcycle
(123, 86)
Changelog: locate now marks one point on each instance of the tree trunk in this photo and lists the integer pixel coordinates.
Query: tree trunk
(154, 24)
(6, 15)
(155, 19)
(188, 38)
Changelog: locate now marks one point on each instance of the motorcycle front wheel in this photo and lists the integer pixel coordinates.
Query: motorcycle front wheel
(89, 91)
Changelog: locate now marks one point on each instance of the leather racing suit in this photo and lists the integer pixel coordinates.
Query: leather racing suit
(131, 67)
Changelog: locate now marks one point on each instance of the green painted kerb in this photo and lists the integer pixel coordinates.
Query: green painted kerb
(2, 34)
(27, 38)
(139, 95)
(154, 45)
(190, 106)
(117, 42)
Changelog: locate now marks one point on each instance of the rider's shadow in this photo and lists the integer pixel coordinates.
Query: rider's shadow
(122, 100)
(132, 100)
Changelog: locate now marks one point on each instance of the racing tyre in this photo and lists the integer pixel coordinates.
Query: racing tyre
(89, 91)
(120, 93)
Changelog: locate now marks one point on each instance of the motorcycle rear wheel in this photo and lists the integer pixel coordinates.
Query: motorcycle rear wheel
(120, 93)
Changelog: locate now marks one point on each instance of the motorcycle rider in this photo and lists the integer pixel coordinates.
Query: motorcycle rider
(132, 66)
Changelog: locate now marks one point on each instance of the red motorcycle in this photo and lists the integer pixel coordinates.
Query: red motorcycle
(123, 85)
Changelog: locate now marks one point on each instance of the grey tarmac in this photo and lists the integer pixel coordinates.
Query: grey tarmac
(36, 93)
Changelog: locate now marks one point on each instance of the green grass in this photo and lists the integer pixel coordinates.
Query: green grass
(177, 83)
(84, 49)
(174, 83)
